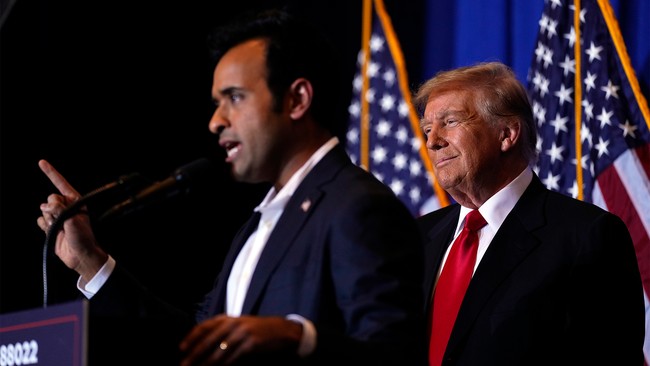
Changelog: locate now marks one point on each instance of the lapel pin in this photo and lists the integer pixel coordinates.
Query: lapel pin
(305, 205)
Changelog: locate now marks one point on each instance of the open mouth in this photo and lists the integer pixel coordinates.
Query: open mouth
(232, 148)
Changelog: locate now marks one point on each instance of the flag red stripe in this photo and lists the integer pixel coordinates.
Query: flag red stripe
(643, 152)
(618, 202)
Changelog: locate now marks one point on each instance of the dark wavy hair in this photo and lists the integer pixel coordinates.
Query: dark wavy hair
(295, 49)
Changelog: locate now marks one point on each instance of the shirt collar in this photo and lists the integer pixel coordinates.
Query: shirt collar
(496, 208)
(275, 200)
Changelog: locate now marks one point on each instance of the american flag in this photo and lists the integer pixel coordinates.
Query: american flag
(383, 135)
(589, 109)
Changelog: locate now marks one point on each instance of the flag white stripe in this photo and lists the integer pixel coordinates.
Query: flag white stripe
(636, 184)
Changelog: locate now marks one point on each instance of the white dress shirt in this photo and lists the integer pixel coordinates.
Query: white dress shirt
(494, 211)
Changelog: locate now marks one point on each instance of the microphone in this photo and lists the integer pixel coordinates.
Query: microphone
(123, 183)
(179, 182)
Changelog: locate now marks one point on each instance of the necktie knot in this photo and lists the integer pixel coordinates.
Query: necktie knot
(474, 221)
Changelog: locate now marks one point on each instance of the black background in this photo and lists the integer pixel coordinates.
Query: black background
(105, 88)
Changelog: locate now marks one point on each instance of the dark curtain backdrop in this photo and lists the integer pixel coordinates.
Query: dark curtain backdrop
(104, 88)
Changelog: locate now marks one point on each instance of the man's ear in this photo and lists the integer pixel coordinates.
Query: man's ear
(300, 97)
(510, 133)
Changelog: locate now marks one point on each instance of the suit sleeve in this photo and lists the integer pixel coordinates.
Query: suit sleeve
(607, 297)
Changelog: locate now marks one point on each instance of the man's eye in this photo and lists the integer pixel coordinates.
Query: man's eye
(451, 122)
(236, 98)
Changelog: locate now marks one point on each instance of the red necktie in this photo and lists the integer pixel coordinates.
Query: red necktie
(452, 284)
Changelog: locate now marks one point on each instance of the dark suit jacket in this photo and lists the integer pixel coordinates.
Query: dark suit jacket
(558, 285)
(346, 254)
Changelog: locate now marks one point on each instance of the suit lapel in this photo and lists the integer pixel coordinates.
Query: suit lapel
(437, 240)
(218, 305)
(296, 214)
(510, 246)
(283, 236)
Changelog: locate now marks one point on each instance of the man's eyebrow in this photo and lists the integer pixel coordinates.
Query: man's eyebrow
(447, 112)
(442, 115)
(229, 90)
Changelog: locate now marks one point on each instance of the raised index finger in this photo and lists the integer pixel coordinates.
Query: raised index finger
(57, 179)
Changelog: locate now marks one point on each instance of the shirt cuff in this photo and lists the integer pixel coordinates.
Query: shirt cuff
(90, 288)
(308, 340)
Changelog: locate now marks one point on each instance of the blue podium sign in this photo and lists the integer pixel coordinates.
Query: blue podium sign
(54, 335)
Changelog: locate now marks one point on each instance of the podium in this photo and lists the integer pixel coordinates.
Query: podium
(53, 335)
